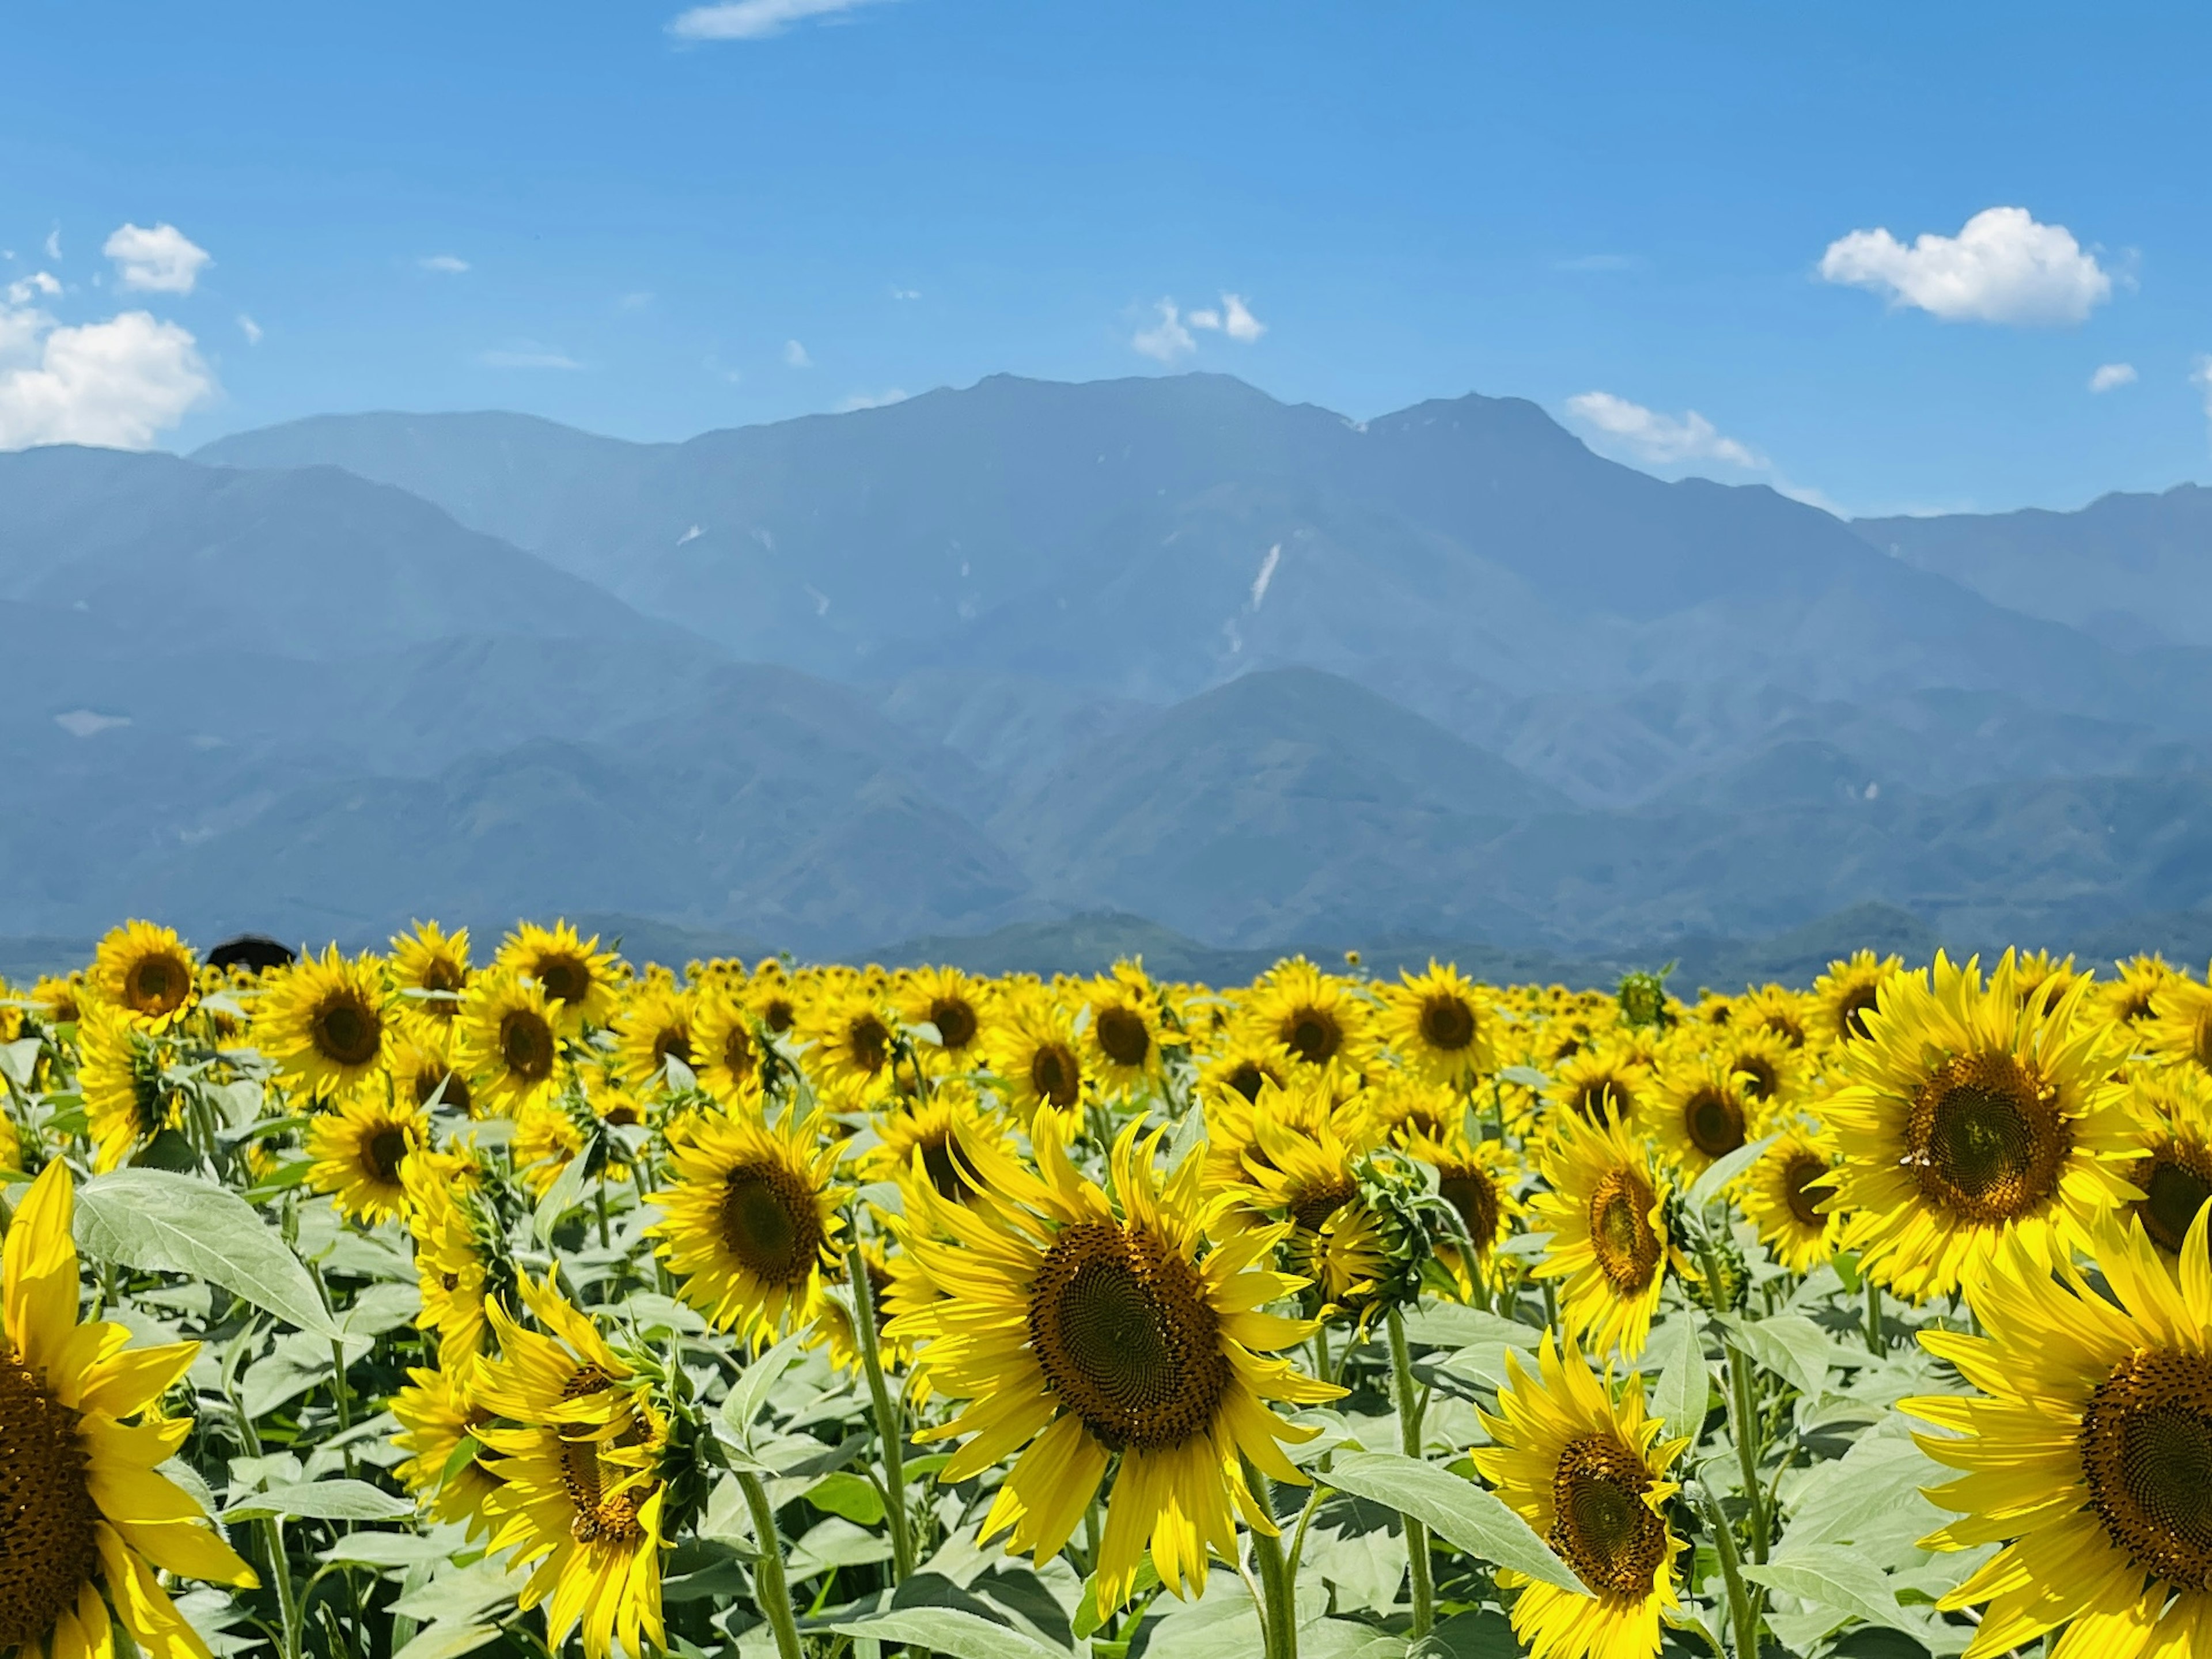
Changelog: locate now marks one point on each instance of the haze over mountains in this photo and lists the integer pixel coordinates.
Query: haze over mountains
(1256, 672)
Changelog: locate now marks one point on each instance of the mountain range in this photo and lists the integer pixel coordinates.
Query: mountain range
(992, 658)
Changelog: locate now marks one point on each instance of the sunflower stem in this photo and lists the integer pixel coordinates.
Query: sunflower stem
(280, 1570)
(1409, 1442)
(1743, 1410)
(890, 1428)
(771, 1594)
(1277, 1587)
(1875, 1344)
(1742, 1614)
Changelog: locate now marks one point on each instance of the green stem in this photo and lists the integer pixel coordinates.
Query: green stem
(1409, 1442)
(1742, 1615)
(1874, 1341)
(1744, 1411)
(287, 1601)
(890, 1428)
(771, 1594)
(1277, 1586)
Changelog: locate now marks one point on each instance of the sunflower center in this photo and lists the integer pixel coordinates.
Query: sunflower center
(770, 1223)
(1713, 1121)
(432, 1079)
(778, 1013)
(2176, 1181)
(738, 1053)
(347, 1031)
(1055, 1074)
(1474, 1195)
(384, 1151)
(869, 1042)
(1986, 1139)
(1857, 1002)
(673, 1040)
(1312, 1034)
(441, 975)
(1622, 1238)
(525, 1045)
(47, 1552)
(955, 1021)
(1760, 1078)
(1447, 1023)
(157, 985)
(1316, 1204)
(2147, 1454)
(1122, 1034)
(1601, 1524)
(566, 978)
(2201, 1041)
(599, 1518)
(1125, 1339)
(1599, 1100)
(1246, 1079)
(943, 1170)
(1799, 1191)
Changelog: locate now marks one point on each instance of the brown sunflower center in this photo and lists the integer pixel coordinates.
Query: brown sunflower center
(383, 1152)
(1986, 1139)
(1799, 1193)
(942, 1167)
(1056, 1074)
(1852, 1010)
(157, 984)
(770, 1223)
(2147, 1454)
(1447, 1023)
(777, 1013)
(1599, 1099)
(526, 1044)
(431, 1079)
(1245, 1077)
(1713, 1120)
(1471, 1191)
(47, 1552)
(1601, 1524)
(346, 1030)
(1316, 1205)
(868, 1040)
(1621, 1237)
(671, 1042)
(738, 1053)
(566, 978)
(600, 1517)
(1125, 1339)
(2176, 1181)
(955, 1020)
(444, 976)
(1124, 1036)
(1312, 1034)
(1760, 1079)
(1787, 1026)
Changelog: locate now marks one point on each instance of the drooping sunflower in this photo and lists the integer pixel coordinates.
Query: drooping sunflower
(657, 1023)
(1966, 1114)
(2173, 1167)
(1782, 1195)
(1477, 1179)
(1124, 1034)
(147, 972)
(2179, 1029)
(1701, 1109)
(725, 1047)
(120, 1073)
(453, 1268)
(1319, 1018)
(1035, 1055)
(2087, 1452)
(508, 1044)
(327, 1023)
(579, 1491)
(86, 1515)
(361, 1148)
(774, 999)
(1605, 1210)
(1309, 1107)
(434, 1418)
(752, 1223)
(1081, 1324)
(429, 971)
(954, 1005)
(580, 980)
(852, 1036)
(1439, 1024)
(1588, 1473)
(1599, 1085)
(1851, 990)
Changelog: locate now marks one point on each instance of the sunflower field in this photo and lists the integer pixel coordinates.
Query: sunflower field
(401, 1306)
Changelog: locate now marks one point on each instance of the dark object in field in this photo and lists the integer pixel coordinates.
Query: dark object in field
(255, 951)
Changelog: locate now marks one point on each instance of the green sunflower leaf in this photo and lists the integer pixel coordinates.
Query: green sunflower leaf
(1462, 1514)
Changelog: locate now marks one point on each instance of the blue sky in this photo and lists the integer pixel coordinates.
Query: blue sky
(598, 214)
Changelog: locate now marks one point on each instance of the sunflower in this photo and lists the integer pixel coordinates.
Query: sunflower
(1035, 1055)
(727, 1051)
(1308, 1109)
(1588, 1474)
(2173, 1167)
(1477, 1179)
(752, 1223)
(2130, 998)
(1966, 1114)
(1702, 1109)
(430, 970)
(86, 1515)
(1243, 1068)
(1851, 990)
(421, 1074)
(1082, 1327)
(361, 1148)
(11, 1013)
(1605, 1210)
(59, 1000)
(579, 1489)
(1322, 1020)
(579, 979)
(655, 1026)
(1440, 1023)
(121, 1074)
(147, 972)
(921, 1137)
(327, 1024)
(1782, 1195)
(2087, 1452)
(1599, 1085)
(11, 1146)
(773, 998)
(2180, 1031)
(853, 1038)
(951, 1004)
(452, 1269)
(508, 1045)
(1399, 1101)
(1788, 1014)
(1773, 1071)
(434, 1418)
(1125, 1033)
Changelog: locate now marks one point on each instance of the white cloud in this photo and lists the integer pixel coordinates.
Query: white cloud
(1234, 319)
(2002, 267)
(250, 329)
(54, 244)
(527, 354)
(1660, 438)
(162, 260)
(2111, 375)
(1167, 339)
(794, 355)
(640, 300)
(444, 264)
(116, 384)
(859, 400)
(906, 294)
(25, 290)
(754, 20)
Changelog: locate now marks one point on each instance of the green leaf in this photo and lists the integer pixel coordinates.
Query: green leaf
(1458, 1512)
(752, 1393)
(1089, 1621)
(448, 1641)
(1527, 1076)
(1789, 1345)
(1835, 1578)
(388, 1549)
(1685, 1386)
(157, 1221)
(1721, 1170)
(852, 1496)
(321, 1500)
(562, 1196)
(948, 1631)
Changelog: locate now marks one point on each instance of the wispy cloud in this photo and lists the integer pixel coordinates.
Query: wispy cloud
(444, 264)
(2110, 376)
(1662, 439)
(906, 294)
(1166, 340)
(859, 400)
(527, 354)
(2002, 267)
(639, 300)
(158, 260)
(250, 329)
(756, 20)
(54, 244)
(794, 355)
(1234, 319)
